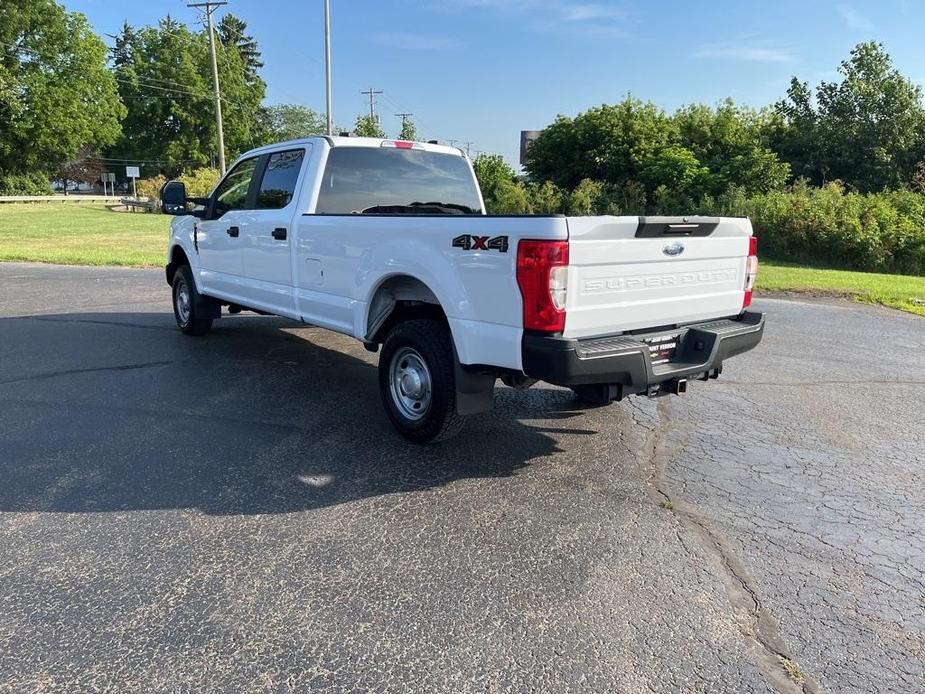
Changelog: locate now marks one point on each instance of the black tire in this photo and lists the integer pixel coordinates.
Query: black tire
(420, 347)
(184, 309)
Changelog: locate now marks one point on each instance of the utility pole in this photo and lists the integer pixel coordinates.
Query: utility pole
(468, 147)
(404, 119)
(210, 7)
(327, 66)
(371, 93)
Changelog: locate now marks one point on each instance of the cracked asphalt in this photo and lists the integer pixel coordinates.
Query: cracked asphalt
(234, 513)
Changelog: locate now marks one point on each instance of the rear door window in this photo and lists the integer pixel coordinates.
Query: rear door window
(387, 180)
(277, 189)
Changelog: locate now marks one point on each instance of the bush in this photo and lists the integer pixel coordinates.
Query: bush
(36, 183)
(510, 198)
(151, 188)
(201, 182)
(873, 232)
(545, 199)
(586, 199)
(828, 227)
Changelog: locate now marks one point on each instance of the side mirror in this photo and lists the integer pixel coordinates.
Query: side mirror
(173, 198)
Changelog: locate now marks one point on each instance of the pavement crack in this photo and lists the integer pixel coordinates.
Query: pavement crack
(72, 372)
(755, 622)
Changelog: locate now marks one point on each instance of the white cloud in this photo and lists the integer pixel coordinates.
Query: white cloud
(854, 19)
(745, 50)
(419, 42)
(589, 12)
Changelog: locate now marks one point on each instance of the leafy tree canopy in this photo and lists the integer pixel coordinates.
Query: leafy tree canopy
(290, 122)
(232, 32)
(608, 143)
(867, 130)
(56, 93)
(165, 79)
(698, 151)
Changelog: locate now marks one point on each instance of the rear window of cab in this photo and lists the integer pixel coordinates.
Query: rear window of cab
(368, 180)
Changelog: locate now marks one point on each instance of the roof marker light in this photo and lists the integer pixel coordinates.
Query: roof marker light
(401, 144)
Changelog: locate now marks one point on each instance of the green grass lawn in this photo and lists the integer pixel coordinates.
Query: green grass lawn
(81, 234)
(897, 291)
(92, 235)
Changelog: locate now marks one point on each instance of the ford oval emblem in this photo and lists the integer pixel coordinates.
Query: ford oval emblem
(673, 249)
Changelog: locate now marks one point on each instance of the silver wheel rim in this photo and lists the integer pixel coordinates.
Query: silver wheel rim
(410, 383)
(183, 302)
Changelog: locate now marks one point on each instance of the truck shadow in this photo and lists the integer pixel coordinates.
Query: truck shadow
(118, 411)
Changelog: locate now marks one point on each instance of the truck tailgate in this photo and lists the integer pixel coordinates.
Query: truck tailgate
(627, 273)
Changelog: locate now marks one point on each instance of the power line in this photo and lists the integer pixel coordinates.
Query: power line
(139, 83)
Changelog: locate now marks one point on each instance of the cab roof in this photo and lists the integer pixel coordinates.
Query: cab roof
(341, 141)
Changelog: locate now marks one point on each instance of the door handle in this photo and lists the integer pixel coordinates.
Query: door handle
(233, 232)
(279, 234)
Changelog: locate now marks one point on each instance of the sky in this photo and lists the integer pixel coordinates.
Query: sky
(481, 71)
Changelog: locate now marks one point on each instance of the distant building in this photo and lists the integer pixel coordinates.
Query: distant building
(526, 138)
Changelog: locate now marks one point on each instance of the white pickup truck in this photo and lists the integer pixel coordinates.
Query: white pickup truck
(388, 241)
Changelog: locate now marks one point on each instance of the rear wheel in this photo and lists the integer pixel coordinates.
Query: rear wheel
(417, 383)
(185, 301)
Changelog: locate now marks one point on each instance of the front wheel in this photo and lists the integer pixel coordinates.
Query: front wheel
(417, 383)
(185, 302)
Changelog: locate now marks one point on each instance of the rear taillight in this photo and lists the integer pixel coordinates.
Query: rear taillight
(751, 271)
(542, 275)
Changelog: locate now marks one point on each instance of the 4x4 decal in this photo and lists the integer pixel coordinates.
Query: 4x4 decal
(481, 243)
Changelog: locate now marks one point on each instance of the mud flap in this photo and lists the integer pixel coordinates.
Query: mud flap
(475, 391)
(207, 307)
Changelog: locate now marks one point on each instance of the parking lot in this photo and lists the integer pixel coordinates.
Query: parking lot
(235, 513)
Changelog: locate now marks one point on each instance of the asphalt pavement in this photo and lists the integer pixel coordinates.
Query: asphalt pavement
(235, 513)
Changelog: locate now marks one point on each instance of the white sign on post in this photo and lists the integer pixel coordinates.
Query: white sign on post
(132, 172)
(110, 178)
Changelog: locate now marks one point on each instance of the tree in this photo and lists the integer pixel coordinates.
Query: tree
(607, 143)
(165, 78)
(732, 142)
(289, 122)
(867, 130)
(232, 33)
(367, 126)
(408, 129)
(56, 93)
(86, 167)
(493, 174)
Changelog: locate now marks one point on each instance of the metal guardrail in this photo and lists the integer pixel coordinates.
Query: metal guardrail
(75, 199)
(134, 204)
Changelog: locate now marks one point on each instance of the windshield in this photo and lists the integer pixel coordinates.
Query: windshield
(386, 180)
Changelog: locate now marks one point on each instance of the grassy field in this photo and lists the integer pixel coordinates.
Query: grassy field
(896, 291)
(92, 235)
(81, 234)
